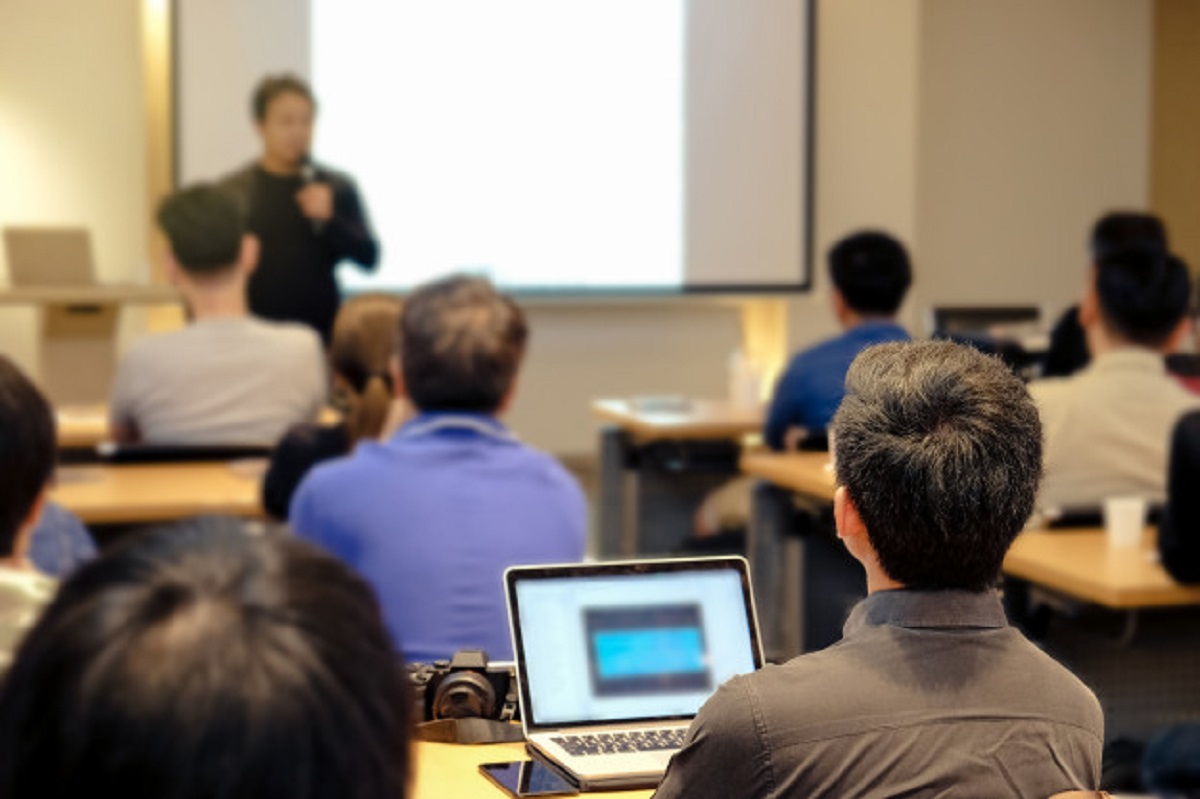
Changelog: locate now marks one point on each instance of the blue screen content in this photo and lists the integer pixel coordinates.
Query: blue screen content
(639, 653)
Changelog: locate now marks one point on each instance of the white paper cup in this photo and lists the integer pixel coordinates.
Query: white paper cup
(1124, 519)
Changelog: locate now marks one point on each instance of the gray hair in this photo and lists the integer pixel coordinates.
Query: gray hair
(939, 447)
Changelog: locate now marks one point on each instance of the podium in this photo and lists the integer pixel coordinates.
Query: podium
(51, 270)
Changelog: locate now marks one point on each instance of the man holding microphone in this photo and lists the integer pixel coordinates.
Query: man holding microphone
(308, 218)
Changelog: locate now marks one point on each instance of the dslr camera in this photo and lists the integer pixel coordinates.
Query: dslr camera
(465, 687)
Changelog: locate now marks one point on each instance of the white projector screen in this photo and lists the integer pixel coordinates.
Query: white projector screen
(555, 145)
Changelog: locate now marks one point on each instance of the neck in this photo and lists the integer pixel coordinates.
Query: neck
(854, 318)
(877, 580)
(1101, 341)
(226, 300)
(278, 166)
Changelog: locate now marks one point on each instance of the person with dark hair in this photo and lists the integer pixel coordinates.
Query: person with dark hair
(433, 515)
(1108, 427)
(201, 661)
(937, 456)
(27, 456)
(360, 360)
(1119, 230)
(1179, 530)
(870, 273)
(227, 378)
(309, 217)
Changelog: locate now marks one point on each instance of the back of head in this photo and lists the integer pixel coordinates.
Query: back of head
(204, 227)
(1143, 294)
(360, 353)
(871, 271)
(461, 343)
(27, 450)
(1127, 230)
(205, 662)
(940, 449)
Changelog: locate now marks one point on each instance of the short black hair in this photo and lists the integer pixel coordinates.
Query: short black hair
(202, 661)
(460, 344)
(204, 226)
(271, 86)
(1144, 294)
(872, 272)
(1127, 230)
(28, 446)
(939, 447)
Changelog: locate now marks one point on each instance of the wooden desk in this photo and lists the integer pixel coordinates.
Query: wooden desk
(451, 771)
(160, 492)
(807, 473)
(703, 420)
(656, 466)
(82, 426)
(1080, 564)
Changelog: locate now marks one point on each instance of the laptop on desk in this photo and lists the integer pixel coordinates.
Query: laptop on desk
(614, 659)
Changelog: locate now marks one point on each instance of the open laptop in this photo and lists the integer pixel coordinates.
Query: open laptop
(614, 659)
(49, 256)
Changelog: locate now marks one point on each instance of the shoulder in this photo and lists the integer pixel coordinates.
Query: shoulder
(339, 179)
(550, 469)
(289, 334)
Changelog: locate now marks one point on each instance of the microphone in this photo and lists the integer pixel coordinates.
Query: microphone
(308, 174)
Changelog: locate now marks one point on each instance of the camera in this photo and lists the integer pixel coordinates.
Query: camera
(465, 687)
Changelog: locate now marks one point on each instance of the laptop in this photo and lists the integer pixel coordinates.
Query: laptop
(613, 660)
(49, 256)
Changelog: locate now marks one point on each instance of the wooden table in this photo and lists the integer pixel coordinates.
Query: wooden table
(657, 463)
(82, 427)
(1081, 564)
(808, 473)
(451, 771)
(133, 494)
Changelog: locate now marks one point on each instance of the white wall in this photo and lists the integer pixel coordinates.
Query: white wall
(72, 136)
(1035, 119)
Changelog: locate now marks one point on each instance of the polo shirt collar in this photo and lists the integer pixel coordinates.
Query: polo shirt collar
(928, 609)
(1130, 358)
(435, 422)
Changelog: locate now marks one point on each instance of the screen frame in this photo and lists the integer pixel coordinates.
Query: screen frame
(804, 284)
(622, 568)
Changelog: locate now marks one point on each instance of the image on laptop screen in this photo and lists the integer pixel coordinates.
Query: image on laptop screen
(640, 645)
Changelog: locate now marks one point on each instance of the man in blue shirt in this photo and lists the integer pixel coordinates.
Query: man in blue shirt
(432, 516)
(870, 273)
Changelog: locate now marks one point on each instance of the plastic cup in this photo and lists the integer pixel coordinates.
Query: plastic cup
(1124, 520)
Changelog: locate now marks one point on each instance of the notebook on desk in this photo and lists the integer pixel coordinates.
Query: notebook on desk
(614, 659)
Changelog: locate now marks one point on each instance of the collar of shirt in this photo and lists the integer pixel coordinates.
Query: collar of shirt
(928, 609)
(454, 423)
(874, 328)
(1129, 359)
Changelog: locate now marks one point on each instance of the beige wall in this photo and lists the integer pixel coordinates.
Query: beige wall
(1035, 119)
(72, 135)
(986, 132)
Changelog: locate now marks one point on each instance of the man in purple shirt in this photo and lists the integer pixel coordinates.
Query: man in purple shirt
(433, 516)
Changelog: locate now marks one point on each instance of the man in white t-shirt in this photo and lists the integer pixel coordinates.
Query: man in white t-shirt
(1108, 426)
(228, 378)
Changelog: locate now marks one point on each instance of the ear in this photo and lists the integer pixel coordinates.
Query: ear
(171, 269)
(1179, 334)
(248, 254)
(509, 396)
(845, 515)
(1089, 306)
(839, 303)
(399, 389)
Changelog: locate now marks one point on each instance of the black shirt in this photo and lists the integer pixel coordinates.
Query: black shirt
(295, 278)
(303, 447)
(1179, 531)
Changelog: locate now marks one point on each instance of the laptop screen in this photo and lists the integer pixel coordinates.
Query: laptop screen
(629, 641)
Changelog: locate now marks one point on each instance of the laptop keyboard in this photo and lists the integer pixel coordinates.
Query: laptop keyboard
(611, 743)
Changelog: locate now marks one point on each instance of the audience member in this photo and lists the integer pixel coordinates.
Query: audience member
(201, 662)
(227, 378)
(27, 453)
(359, 356)
(1107, 427)
(1120, 230)
(870, 273)
(432, 516)
(937, 452)
(1179, 531)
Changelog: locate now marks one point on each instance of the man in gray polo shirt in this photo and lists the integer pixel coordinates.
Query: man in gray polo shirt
(930, 692)
(228, 377)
